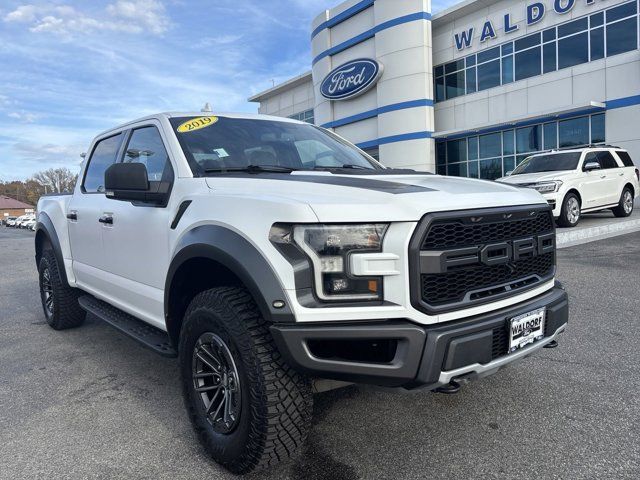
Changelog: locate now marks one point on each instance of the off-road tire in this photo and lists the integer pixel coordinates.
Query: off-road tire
(65, 311)
(620, 210)
(277, 401)
(566, 220)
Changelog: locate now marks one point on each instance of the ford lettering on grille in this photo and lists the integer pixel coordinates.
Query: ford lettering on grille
(441, 261)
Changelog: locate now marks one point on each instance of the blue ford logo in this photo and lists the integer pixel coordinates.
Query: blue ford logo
(351, 79)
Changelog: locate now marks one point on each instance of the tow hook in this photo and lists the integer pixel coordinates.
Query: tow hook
(551, 344)
(451, 388)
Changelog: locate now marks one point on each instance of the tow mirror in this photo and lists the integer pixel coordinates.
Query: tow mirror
(130, 182)
(591, 166)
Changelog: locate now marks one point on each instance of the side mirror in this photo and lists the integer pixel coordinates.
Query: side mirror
(129, 182)
(591, 166)
(508, 174)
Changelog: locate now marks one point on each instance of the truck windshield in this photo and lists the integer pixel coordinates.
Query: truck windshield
(220, 144)
(552, 162)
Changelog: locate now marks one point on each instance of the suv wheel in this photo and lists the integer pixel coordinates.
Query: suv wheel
(570, 213)
(625, 207)
(59, 301)
(248, 407)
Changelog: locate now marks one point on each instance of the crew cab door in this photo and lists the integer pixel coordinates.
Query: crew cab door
(84, 212)
(136, 241)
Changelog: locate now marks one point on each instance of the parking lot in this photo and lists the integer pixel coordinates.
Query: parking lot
(91, 403)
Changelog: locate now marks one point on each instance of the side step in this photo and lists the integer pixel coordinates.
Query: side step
(151, 337)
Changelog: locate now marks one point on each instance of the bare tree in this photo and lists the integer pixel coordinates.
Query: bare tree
(56, 180)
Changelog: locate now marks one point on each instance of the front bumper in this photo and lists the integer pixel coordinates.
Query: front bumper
(419, 356)
(555, 202)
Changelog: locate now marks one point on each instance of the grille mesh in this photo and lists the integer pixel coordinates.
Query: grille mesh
(452, 286)
(452, 234)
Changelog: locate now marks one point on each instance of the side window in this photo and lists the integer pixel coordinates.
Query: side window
(103, 156)
(146, 147)
(607, 161)
(626, 158)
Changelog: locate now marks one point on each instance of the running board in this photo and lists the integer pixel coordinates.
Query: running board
(150, 337)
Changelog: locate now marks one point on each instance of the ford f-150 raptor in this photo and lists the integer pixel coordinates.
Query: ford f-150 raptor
(266, 253)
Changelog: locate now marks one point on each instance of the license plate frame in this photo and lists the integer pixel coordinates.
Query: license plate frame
(526, 328)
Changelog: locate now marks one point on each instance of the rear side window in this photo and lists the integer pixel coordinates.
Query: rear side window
(607, 161)
(146, 147)
(104, 155)
(626, 158)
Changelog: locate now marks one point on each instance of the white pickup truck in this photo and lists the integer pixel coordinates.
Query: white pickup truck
(267, 254)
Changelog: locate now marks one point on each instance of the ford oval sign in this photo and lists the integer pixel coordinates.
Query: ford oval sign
(351, 79)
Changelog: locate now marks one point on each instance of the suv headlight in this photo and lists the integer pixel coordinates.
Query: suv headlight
(547, 187)
(328, 248)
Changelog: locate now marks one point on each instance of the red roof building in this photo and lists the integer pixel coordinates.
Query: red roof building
(10, 207)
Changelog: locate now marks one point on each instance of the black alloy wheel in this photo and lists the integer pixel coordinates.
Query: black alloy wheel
(216, 380)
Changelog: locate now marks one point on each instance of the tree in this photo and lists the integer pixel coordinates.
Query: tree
(55, 180)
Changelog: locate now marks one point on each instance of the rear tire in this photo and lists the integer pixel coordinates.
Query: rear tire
(625, 206)
(570, 213)
(59, 301)
(267, 405)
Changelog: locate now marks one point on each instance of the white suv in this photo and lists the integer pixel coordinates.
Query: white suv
(581, 181)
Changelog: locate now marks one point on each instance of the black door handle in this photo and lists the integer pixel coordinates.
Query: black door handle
(72, 216)
(106, 219)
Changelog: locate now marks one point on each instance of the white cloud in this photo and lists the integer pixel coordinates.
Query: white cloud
(147, 14)
(24, 117)
(128, 16)
(24, 13)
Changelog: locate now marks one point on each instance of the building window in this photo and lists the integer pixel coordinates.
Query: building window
(306, 116)
(493, 155)
(373, 152)
(572, 43)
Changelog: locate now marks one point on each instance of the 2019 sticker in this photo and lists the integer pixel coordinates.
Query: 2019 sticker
(196, 124)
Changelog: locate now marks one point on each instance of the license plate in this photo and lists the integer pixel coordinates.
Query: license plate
(525, 329)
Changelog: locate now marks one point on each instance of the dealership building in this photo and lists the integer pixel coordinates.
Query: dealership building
(474, 89)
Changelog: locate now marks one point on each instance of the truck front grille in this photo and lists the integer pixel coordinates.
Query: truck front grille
(480, 281)
(442, 283)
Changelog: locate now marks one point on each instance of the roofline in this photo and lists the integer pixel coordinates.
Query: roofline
(292, 82)
(459, 9)
(168, 115)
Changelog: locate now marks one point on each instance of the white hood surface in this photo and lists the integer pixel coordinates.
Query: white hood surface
(366, 198)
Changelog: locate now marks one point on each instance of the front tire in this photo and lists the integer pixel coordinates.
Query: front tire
(248, 407)
(625, 206)
(59, 301)
(571, 211)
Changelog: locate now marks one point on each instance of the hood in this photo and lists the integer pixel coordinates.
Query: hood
(535, 177)
(367, 198)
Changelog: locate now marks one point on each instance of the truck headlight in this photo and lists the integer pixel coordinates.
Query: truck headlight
(547, 187)
(329, 247)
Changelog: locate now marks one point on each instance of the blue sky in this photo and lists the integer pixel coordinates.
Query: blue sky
(70, 69)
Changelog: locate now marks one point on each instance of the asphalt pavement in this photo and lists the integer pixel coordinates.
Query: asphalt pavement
(91, 403)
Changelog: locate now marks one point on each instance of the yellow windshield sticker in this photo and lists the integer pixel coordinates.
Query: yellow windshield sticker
(196, 124)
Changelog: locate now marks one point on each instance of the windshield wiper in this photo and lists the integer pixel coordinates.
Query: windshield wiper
(346, 166)
(253, 169)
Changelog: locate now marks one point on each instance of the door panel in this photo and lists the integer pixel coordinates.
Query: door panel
(85, 232)
(598, 185)
(136, 244)
(85, 208)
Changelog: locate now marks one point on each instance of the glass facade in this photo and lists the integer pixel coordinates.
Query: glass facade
(602, 34)
(492, 155)
(306, 116)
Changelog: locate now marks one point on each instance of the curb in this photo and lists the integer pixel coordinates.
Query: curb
(593, 234)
